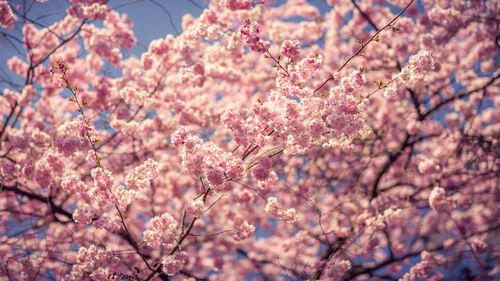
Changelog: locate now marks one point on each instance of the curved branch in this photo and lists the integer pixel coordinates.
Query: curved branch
(459, 96)
(55, 209)
(392, 158)
(332, 249)
(359, 270)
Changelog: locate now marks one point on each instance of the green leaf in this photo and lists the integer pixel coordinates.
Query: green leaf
(360, 41)
(394, 29)
(84, 102)
(377, 38)
(361, 70)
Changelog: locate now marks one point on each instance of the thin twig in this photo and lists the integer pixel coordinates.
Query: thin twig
(363, 46)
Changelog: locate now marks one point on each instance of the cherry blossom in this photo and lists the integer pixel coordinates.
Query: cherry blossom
(260, 140)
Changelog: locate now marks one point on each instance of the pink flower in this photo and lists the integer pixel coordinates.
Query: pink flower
(103, 179)
(74, 185)
(158, 47)
(428, 166)
(260, 172)
(160, 230)
(93, 262)
(195, 208)
(390, 92)
(237, 4)
(111, 223)
(479, 246)
(193, 75)
(172, 264)
(422, 62)
(269, 182)
(96, 11)
(418, 65)
(27, 95)
(134, 96)
(215, 176)
(291, 49)
(142, 175)
(84, 215)
(288, 215)
(422, 269)
(84, 127)
(437, 199)
(244, 231)
(7, 18)
(179, 137)
(250, 31)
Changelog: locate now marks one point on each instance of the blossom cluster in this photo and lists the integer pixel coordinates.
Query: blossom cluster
(437, 198)
(418, 65)
(380, 220)
(7, 18)
(250, 32)
(142, 175)
(93, 262)
(172, 264)
(106, 190)
(237, 4)
(244, 231)
(376, 126)
(300, 120)
(428, 166)
(206, 159)
(195, 208)
(91, 10)
(422, 269)
(265, 176)
(133, 96)
(272, 208)
(290, 49)
(160, 230)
